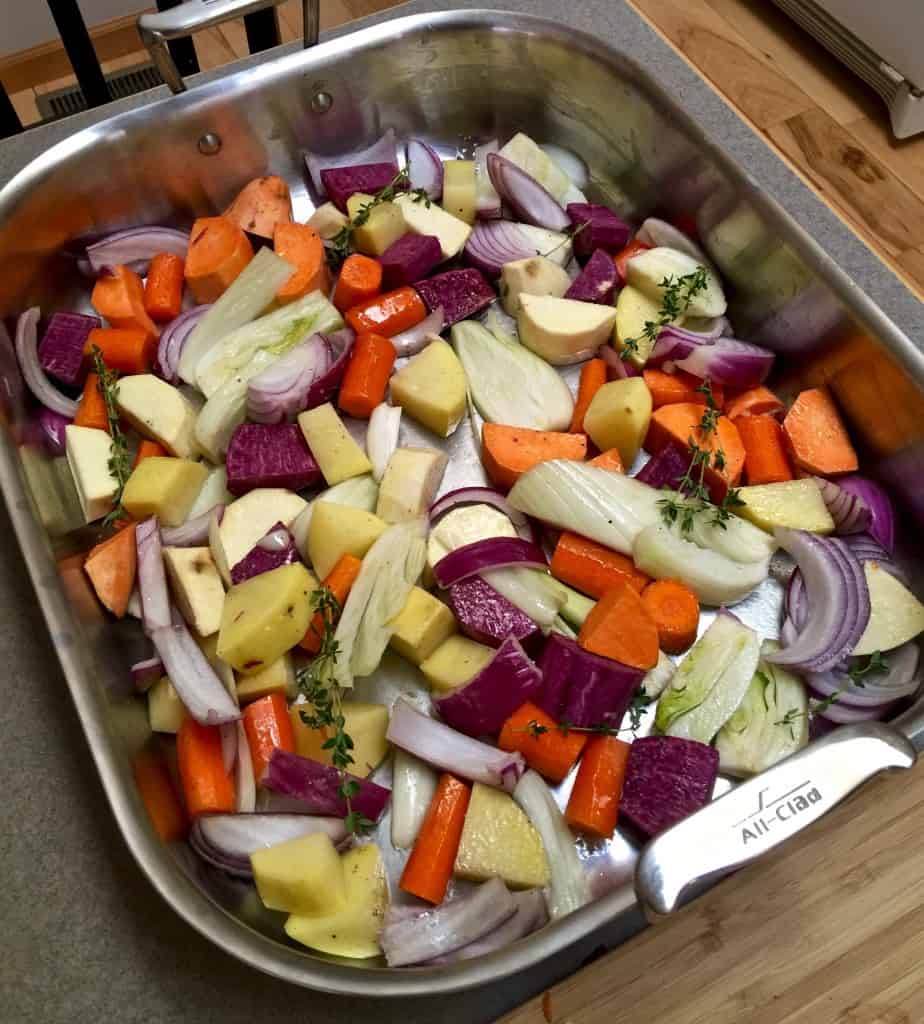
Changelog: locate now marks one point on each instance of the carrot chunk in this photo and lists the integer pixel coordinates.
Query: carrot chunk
(119, 297)
(816, 436)
(508, 452)
(388, 314)
(429, 867)
(610, 459)
(671, 388)
(163, 290)
(620, 627)
(593, 377)
(674, 609)
(158, 795)
(208, 788)
(91, 410)
(360, 280)
(547, 748)
(592, 568)
(111, 567)
(765, 460)
(124, 349)
(367, 374)
(218, 252)
(301, 246)
(267, 726)
(755, 402)
(593, 806)
(338, 581)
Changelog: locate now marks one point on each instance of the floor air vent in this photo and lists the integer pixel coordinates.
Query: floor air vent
(127, 82)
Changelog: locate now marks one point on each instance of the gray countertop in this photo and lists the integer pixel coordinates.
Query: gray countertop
(87, 938)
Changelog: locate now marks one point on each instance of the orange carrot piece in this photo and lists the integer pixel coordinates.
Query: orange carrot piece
(593, 377)
(622, 258)
(367, 374)
(208, 788)
(218, 251)
(593, 806)
(360, 280)
(765, 459)
(338, 581)
(619, 627)
(91, 410)
(119, 297)
(508, 452)
(163, 290)
(548, 749)
(816, 436)
(429, 867)
(755, 402)
(678, 424)
(127, 350)
(111, 567)
(160, 799)
(670, 388)
(610, 459)
(301, 246)
(267, 725)
(261, 206)
(674, 609)
(388, 314)
(149, 450)
(592, 568)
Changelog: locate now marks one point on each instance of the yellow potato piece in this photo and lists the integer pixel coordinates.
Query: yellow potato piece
(421, 626)
(431, 388)
(618, 417)
(332, 446)
(459, 189)
(794, 503)
(366, 725)
(300, 876)
(455, 662)
(384, 226)
(163, 487)
(337, 530)
(279, 677)
(165, 709)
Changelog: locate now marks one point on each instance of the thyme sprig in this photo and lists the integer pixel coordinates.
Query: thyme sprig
(876, 663)
(341, 245)
(678, 293)
(324, 697)
(120, 465)
(636, 710)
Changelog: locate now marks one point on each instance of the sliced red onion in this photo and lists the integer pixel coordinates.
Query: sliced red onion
(135, 248)
(655, 232)
(899, 680)
(678, 342)
(33, 374)
(866, 549)
(525, 196)
(192, 534)
(245, 789)
(796, 602)
(281, 391)
(482, 496)
(411, 341)
(616, 368)
(448, 927)
(228, 733)
(227, 840)
(50, 430)
(487, 201)
(445, 748)
(850, 513)
(729, 362)
(879, 504)
(172, 339)
(844, 714)
(382, 152)
(203, 694)
(491, 553)
(838, 601)
(152, 580)
(424, 168)
(322, 389)
(531, 915)
(493, 243)
(146, 673)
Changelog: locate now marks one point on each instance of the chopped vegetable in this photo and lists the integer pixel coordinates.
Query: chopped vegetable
(816, 436)
(318, 786)
(421, 626)
(267, 725)
(547, 748)
(331, 444)
(207, 786)
(337, 530)
(620, 627)
(165, 488)
(300, 876)
(896, 615)
(218, 253)
(601, 230)
(269, 455)
(765, 460)
(494, 244)
(261, 206)
(125, 350)
(431, 388)
(155, 786)
(610, 459)
(166, 712)
(593, 568)
(275, 549)
(367, 374)
(490, 553)
(667, 779)
(342, 182)
(119, 298)
(91, 412)
(530, 916)
(301, 246)
(250, 518)
(425, 169)
(619, 416)
(409, 259)
(563, 331)
(759, 401)
(374, 224)
(859, 504)
(388, 314)
(675, 611)
(111, 567)
(654, 270)
(358, 492)
(364, 723)
(533, 275)
(159, 411)
(593, 806)
(459, 293)
(429, 867)
(429, 219)
(413, 786)
(454, 663)
(339, 582)
(360, 280)
(596, 282)
(197, 587)
(673, 388)
(593, 377)
(459, 189)
(794, 503)
(149, 450)
(628, 252)
(382, 437)
(61, 350)
(163, 290)
(509, 452)
(522, 151)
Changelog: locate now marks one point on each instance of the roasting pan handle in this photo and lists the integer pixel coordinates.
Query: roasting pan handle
(158, 29)
(763, 812)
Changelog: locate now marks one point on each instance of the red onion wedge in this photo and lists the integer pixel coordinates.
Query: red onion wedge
(493, 243)
(280, 392)
(385, 151)
(729, 362)
(492, 553)
(192, 534)
(838, 601)
(531, 915)
(33, 374)
(172, 339)
(850, 513)
(487, 201)
(48, 430)
(616, 368)
(227, 840)
(424, 168)
(482, 496)
(411, 341)
(525, 196)
(874, 689)
(844, 714)
(152, 580)
(445, 748)
(868, 494)
(678, 342)
(449, 926)
(203, 694)
(868, 550)
(146, 673)
(135, 248)
(340, 344)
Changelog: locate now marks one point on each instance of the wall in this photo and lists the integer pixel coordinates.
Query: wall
(25, 23)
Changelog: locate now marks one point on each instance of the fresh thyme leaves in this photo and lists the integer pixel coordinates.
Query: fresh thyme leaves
(636, 710)
(877, 662)
(323, 697)
(120, 466)
(341, 245)
(640, 701)
(569, 237)
(678, 294)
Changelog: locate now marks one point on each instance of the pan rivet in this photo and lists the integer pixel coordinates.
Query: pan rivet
(209, 144)
(321, 102)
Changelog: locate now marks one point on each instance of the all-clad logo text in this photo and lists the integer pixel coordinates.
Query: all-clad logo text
(780, 810)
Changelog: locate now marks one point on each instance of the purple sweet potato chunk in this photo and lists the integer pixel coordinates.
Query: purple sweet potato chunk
(460, 292)
(486, 616)
(267, 554)
(666, 469)
(409, 259)
(597, 281)
(318, 786)
(342, 182)
(667, 779)
(604, 231)
(62, 345)
(270, 455)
